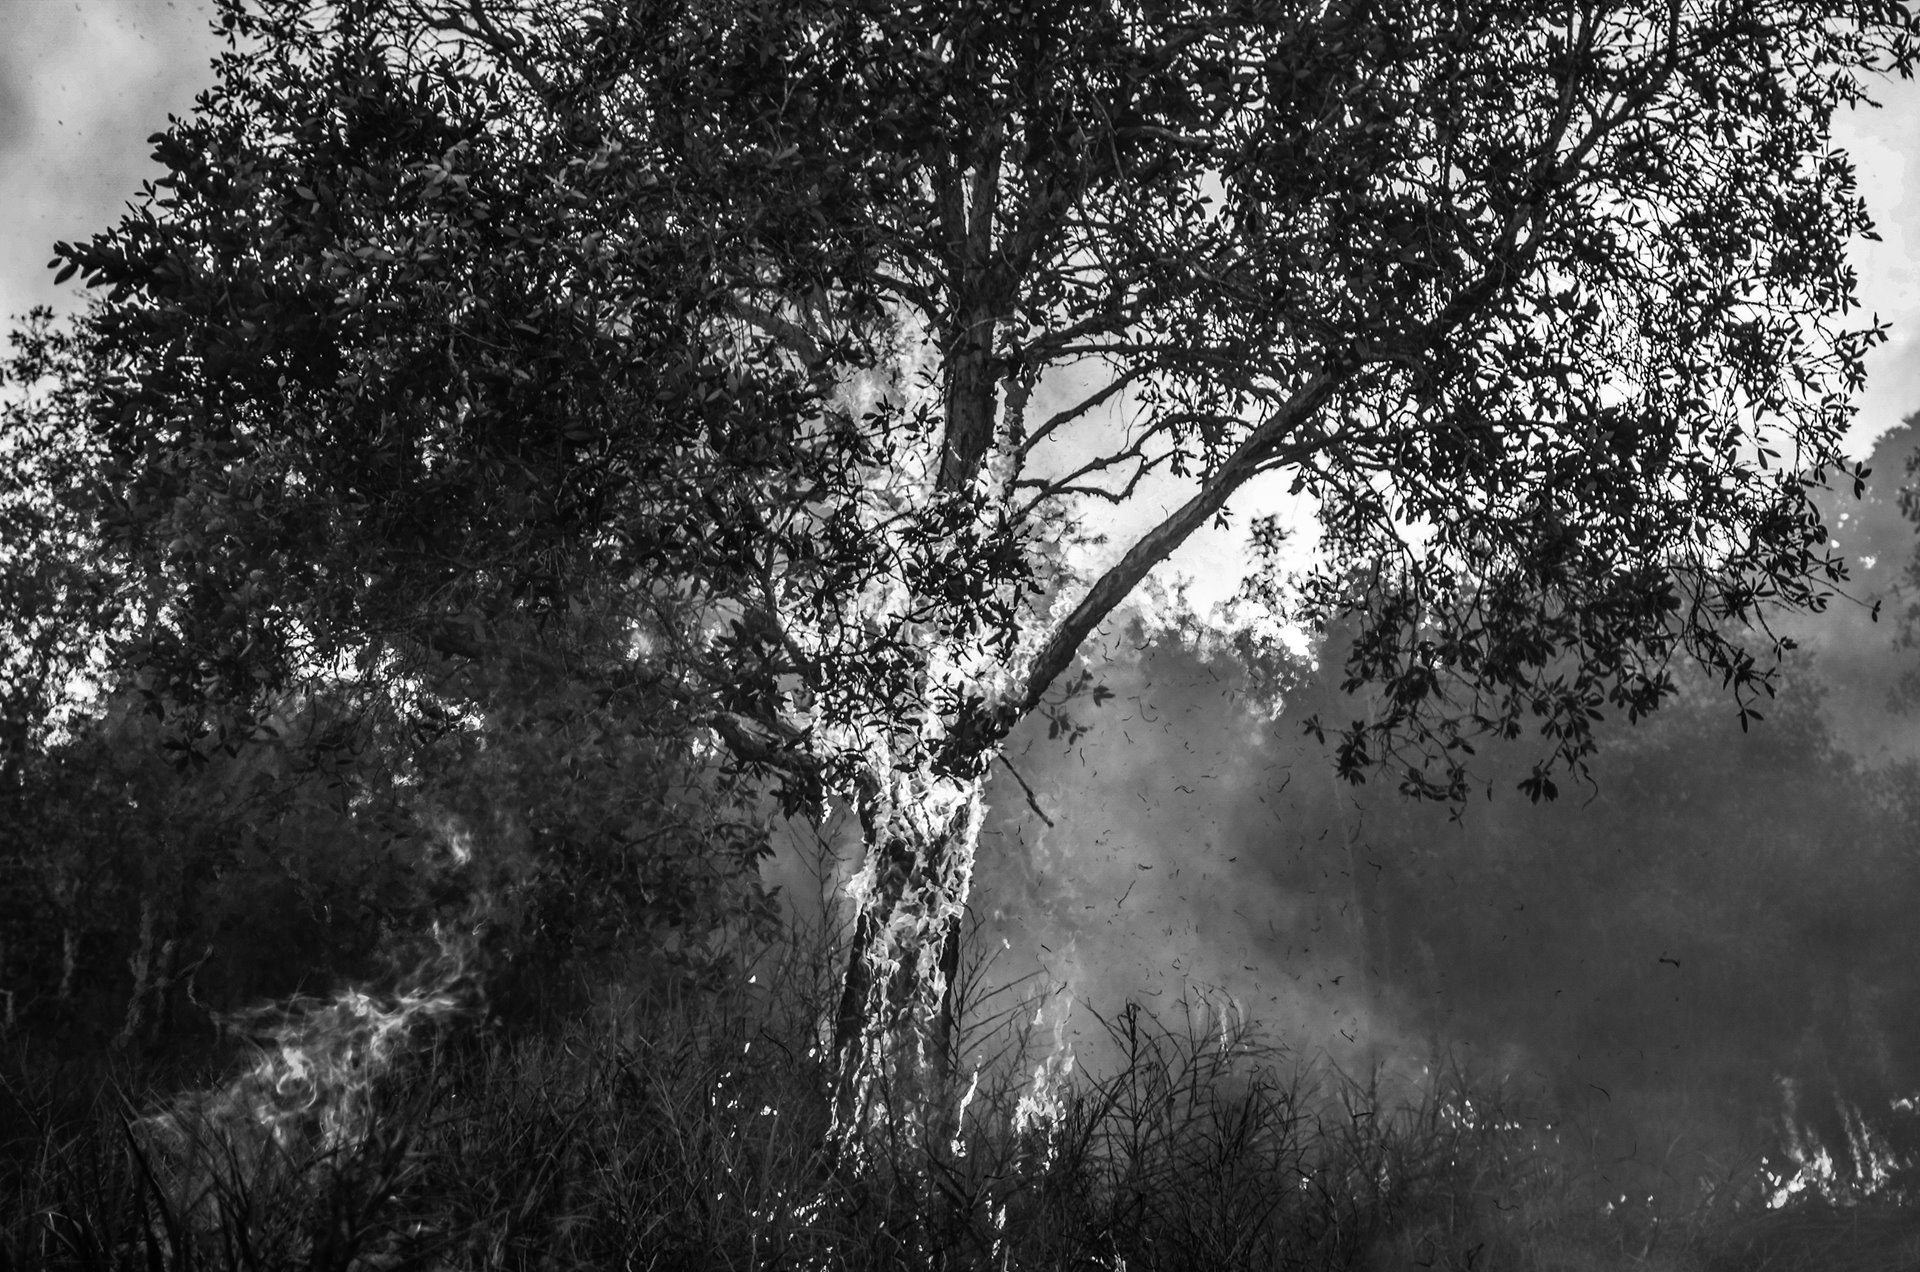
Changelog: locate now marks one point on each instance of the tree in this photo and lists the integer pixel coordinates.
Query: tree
(53, 596)
(826, 322)
(1717, 915)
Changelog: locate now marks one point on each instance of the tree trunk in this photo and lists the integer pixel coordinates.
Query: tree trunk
(153, 976)
(971, 405)
(896, 1014)
(140, 963)
(69, 963)
(1370, 929)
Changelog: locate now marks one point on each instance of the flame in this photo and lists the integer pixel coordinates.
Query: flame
(1044, 1104)
(1811, 1170)
(958, 1147)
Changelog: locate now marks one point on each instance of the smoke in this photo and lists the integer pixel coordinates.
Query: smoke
(1719, 918)
(307, 1098)
(1704, 958)
(1192, 859)
(308, 1094)
(1859, 655)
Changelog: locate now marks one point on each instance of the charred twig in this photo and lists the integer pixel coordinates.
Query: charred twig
(1032, 801)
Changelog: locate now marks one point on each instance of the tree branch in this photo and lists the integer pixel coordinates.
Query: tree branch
(789, 333)
(1066, 415)
(1069, 483)
(743, 736)
(1262, 447)
(1032, 802)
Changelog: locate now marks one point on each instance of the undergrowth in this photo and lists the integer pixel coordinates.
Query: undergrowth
(694, 1132)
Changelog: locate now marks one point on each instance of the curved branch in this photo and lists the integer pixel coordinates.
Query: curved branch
(1262, 448)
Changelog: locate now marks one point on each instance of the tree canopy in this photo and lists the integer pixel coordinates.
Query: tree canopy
(790, 341)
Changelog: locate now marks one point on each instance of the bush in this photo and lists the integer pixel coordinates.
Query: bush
(670, 1127)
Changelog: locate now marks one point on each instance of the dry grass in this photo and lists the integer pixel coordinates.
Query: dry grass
(693, 1134)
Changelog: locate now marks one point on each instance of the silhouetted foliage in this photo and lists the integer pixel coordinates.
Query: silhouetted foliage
(782, 344)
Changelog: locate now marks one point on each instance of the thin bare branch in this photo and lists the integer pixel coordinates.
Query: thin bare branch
(1032, 801)
(1070, 484)
(1067, 415)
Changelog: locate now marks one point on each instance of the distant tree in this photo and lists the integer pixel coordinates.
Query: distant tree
(1723, 911)
(795, 336)
(57, 592)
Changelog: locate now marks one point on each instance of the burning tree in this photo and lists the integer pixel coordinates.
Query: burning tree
(791, 340)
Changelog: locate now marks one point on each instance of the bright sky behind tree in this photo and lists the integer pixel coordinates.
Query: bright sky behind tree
(83, 83)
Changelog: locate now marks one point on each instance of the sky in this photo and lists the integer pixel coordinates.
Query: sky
(82, 86)
(83, 83)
